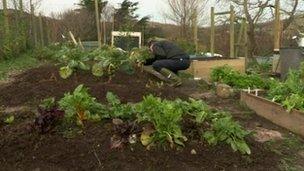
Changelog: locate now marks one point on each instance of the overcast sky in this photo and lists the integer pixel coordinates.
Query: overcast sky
(152, 8)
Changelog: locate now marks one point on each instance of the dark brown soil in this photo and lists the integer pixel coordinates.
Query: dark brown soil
(43, 82)
(23, 149)
(27, 151)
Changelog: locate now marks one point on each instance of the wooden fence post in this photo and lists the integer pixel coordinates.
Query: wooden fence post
(41, 30)
(33, 25)
(195, 31)
(277, 27)
(6, 23)
(232, 30)
(212, 28)
(240, 37)
(246, 43)
(97, 15)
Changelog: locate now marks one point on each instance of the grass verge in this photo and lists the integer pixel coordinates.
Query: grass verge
(18, 64)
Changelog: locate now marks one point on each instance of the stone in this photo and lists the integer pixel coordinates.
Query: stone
(263, 135)
(193, 152)
(224, 91)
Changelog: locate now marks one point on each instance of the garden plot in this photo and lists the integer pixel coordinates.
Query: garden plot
(113, 119)
(91, 149)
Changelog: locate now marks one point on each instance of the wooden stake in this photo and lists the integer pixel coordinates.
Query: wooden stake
(41, 30)
(232, 19)
(246, 43)
(34, 28)
(80, 44)
(73, 38)
(240, 37)
(6, 23)
(277, 26)
(212, 28)
(113, 22)
(98, 23)
(195, 31)
(104, 32)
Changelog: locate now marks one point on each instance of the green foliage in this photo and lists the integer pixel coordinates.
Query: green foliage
(294, 101)
(231, 77)
(50, 53)
(260, 68)
(90, 5)
(17, 64)
(165, 116)
(73, 58)
(108, 60)
(115, 109)
(9, 120)
(14, 42)
(290, 93)
(48, 103)
(195, 108)
(140, 55)
(80, 106)
(227, 131)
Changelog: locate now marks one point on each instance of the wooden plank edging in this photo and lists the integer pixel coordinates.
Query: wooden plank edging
(293, 121)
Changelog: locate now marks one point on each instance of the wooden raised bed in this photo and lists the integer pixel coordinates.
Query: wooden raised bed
(201, 69)
(293, 121)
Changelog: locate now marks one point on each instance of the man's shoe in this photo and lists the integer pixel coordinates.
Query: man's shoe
(151, 70)
(174, 80)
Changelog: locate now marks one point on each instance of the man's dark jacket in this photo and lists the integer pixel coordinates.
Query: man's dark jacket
(167, 50)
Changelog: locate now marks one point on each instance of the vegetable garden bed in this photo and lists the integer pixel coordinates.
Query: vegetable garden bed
(91, 149)
(275, 112)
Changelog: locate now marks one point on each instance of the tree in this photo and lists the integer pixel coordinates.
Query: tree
(125, 17)
(90, 5)
(182, 13)
(258, 11)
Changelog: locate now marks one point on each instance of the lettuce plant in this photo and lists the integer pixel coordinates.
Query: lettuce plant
(73, 59)
(48, 116)
(80, 106)
(115, 109)
(230, 132)
(165, 116)
(108, 60)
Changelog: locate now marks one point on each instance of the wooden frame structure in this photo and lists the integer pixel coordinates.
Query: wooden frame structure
(274, 112)
(232, 30)
(126, 34)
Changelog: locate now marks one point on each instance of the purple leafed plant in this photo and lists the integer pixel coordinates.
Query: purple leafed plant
(47, 119)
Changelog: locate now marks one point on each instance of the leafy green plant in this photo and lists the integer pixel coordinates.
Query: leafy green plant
(195, 108)
(9, 120)
(165, 116)
(140, 55)
(108, 60)
(227, 131)
(289, 93)
(116, 109)
(73, 58)
(80, 106)
(294, 101)
(231, 77)
(48, 103)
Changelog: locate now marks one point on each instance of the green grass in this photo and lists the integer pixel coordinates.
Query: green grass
(23, 62)
(288, 150)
